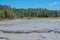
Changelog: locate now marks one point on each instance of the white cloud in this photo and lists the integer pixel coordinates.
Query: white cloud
(54, 3)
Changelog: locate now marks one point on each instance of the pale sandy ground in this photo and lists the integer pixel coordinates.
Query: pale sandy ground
(55, 24)
(32, 36)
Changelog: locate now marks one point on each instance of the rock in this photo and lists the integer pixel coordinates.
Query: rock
(3, 38)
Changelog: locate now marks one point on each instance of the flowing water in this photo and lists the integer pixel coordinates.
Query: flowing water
(42, 25)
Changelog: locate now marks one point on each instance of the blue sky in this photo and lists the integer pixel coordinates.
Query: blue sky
(49, 4)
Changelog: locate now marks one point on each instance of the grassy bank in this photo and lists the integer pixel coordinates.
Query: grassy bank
(26, 18)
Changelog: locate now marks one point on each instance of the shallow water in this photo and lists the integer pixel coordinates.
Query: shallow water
(30, 24)
(26, 25)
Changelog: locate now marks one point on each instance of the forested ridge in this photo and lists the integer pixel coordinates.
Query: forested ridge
(6, 12)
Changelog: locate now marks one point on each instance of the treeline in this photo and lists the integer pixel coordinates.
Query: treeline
(6, 12)
(10, 13)
(37, 12)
